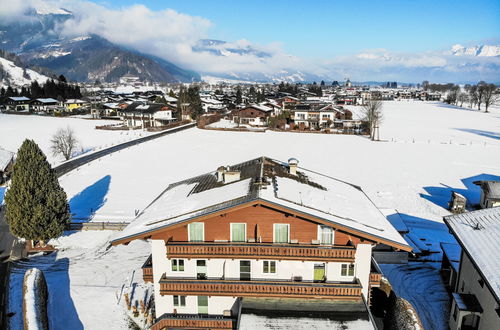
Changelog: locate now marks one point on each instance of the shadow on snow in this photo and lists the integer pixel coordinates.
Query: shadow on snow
(84, 205)
(61, 310)
(442, 195)
(489, 134)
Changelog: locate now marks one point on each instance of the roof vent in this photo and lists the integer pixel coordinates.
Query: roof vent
(292, 166)
(226, 175)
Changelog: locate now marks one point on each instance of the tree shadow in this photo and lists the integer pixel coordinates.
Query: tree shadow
(442, 195)
(61, 310)
(455, 107)
(489, 134)
(84, 205)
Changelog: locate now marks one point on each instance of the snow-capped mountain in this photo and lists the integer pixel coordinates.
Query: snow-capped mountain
(14, 75)
(482, 50)
(39, 41)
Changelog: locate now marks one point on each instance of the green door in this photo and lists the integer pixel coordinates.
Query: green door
(319, 273)
(202, 305)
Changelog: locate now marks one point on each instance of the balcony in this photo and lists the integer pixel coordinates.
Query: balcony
(193, 321)
(260, 288)
(260, 251)
(375, 274)
(147, 270)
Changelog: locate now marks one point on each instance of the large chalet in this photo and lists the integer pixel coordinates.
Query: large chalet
(262, 244)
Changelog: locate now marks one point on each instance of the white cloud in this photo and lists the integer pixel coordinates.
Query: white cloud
(172, 35)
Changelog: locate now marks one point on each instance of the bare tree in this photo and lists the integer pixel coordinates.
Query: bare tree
(489, 96)
(372, 112)
(64, 142)
(461, 98)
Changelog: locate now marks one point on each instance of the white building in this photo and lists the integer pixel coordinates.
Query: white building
(476, 295)
(231, 246)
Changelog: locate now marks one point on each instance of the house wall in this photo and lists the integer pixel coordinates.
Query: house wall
(468, 282)
(258, 219)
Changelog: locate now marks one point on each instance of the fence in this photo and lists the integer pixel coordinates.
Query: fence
(96, 225)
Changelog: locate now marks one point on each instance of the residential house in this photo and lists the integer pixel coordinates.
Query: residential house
(44, 105)
(490, 193)
(260, 238)
(316, 116)
(476, 294)
(17, 103)
(72, 104)
(6, 164)
(146, 115)
(253, 115)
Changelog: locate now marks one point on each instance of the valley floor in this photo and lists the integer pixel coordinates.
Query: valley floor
(429, 149)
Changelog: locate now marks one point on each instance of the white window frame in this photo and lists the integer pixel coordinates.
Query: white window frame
(347, 274)
(177, 261)
(274, 232)
(231, 230)
(189, 231)
(181, 301)
(269, 273)
(320, 234)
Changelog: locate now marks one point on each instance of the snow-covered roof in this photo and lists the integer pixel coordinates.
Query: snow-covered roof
(263, 179)
(478, 233)
(19, 98)
(5, 159)
(46, 100)
(452, 252)
(75, 101)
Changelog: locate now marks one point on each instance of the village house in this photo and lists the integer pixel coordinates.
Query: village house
(46, 105)
(6, 164)
(253, 115)
(317, 116)
(490, 193)
(476, 293)
(72, 104)
(17, 103)
(146, 115)
(235, 246)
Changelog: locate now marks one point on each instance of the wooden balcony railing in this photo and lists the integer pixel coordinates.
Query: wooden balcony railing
(260, 288)
(260, 251)
(375, 279)
(183, 321)
(147, 270)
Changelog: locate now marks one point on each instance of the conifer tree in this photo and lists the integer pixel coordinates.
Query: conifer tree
(36, 205)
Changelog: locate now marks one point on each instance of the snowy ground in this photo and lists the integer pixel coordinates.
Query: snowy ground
(14, 129)
(414, 178)
(84, 280)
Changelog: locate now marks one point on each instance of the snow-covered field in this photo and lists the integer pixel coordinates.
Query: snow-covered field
(14, 129)
(86, 281)
(412, 177)
(452, 148)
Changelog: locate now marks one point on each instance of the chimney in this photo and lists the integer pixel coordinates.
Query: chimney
(225, 175)
(220, 173)
(292, 166)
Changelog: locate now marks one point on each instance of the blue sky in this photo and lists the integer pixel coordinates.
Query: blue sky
(332, 28)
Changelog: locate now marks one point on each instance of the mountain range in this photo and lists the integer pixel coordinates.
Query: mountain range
(84, 58)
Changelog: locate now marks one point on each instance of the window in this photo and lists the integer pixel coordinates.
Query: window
(347, 270)
(196, 232)
(202, 305)
(269, 267)
(238, 232)
(326, 235)
(179, 301)
(281, 232)
(177, 265)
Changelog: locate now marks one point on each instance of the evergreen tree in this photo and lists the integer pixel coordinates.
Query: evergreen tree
(238, 96)
(36, 206)
(62, 79)
(172, 94)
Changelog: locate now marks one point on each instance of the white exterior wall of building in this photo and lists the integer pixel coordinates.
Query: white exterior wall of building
(468, 282)
(160, 264)
(363, 260)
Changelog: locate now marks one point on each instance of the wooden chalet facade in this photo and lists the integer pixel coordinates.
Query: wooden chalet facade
(238, 236)
(253, 115)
